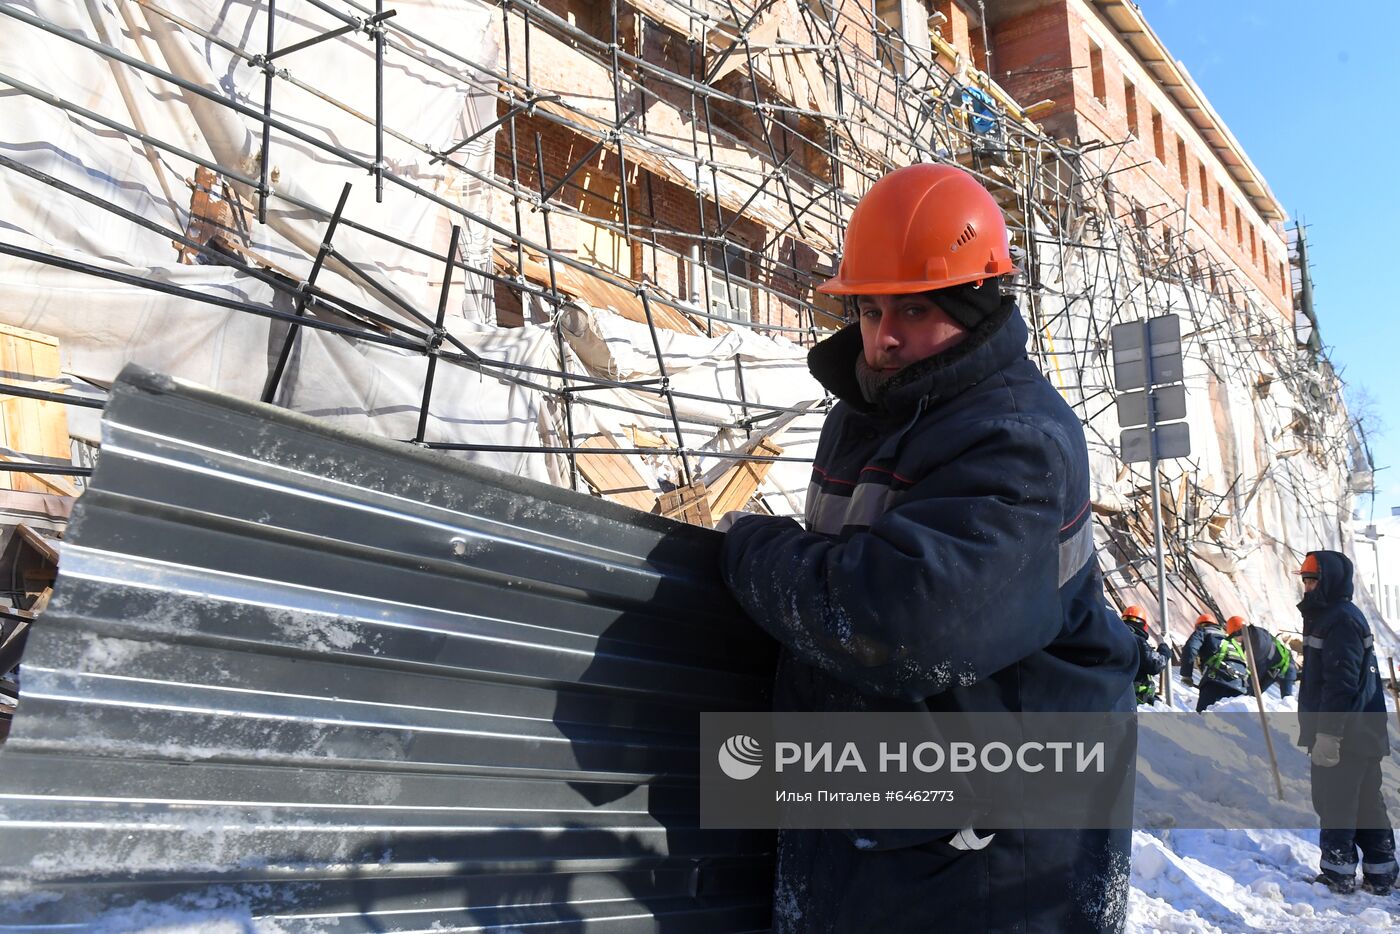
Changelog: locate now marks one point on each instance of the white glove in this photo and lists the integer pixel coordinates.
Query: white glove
(1327, 750)
(727, 521)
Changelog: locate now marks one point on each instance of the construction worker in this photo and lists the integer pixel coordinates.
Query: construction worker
(1151, 662)
(1224, 669)
(1192, 648)
(946, 565)
(1273, 660)
(1342, 724)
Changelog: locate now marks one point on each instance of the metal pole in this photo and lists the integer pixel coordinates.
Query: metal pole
(1376, 558)
(378, 35)
(303, 296)
(435, 341)
(1156, 489)
(1395, 688)
(1259, 700)
(268, 74)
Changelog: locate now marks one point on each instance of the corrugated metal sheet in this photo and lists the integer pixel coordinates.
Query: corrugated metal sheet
(315, 680)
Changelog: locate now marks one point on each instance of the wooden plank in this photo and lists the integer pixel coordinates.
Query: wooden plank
(613, 476)
(737, 485)
(733, 484)
(645, 439)
(11, 412)
(688, 503)
(31, 426)
(603, 248)
(660, 11)
(26, 334)
(29, 439)
(596, 292)
(36, 541)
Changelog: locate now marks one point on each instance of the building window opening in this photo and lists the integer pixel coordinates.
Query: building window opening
(889, 38)
(725, 281)
(1130, 106)
(1096, 73)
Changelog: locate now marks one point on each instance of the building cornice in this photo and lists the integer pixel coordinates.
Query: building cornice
(1171, 76)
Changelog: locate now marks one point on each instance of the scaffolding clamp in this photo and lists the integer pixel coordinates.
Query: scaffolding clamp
(264, 64)
(435, 339)
(373, 26)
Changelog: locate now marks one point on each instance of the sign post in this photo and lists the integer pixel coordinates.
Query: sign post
(1147, 372)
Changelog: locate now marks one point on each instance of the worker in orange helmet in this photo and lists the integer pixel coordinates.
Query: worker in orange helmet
(1273, 660)
(1151, 662)
(1193, 646)
(1224, 668)
(946, 565)
(1342, 722)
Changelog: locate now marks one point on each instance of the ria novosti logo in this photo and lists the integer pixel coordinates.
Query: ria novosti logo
(740, 757)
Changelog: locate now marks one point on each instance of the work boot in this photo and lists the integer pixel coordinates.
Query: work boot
(1376, 888)
(1337, 884)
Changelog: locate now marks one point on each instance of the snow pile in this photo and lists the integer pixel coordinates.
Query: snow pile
(1230, 881)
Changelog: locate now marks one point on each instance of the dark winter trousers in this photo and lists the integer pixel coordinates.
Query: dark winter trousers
(1212, 691)
(1347, 799)
(1285, 684)
(1023, 881)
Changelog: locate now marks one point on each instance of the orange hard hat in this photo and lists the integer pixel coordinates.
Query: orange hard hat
(1205, 619)
(1310, 567)
(920, 228)
(1135, 614)
(1234, 624)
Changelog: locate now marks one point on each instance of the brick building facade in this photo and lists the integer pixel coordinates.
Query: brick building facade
(766, 129)
(1110, 79)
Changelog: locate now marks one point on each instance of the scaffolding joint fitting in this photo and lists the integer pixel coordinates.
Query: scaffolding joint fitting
(435, 338)
(264, 64)
(373, 26)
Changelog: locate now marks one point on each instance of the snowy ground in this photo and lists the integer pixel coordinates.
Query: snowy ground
(1234, 881)
(1198, 881)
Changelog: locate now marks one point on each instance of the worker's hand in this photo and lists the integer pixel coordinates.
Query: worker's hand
(727, 521)
(1327, 750)
(1164, 649)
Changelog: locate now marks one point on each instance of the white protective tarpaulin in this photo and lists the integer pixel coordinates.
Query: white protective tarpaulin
(103, 324)
(747, 370)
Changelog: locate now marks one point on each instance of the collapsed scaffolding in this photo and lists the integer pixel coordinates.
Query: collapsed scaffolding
(601, 273)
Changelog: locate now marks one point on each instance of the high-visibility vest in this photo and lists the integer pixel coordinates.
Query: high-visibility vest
(1229, 651)
(1146, 691)
(1285, 658)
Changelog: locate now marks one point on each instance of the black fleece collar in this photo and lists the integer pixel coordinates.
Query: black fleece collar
(997, 342)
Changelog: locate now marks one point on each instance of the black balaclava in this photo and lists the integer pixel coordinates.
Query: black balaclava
(968, 304)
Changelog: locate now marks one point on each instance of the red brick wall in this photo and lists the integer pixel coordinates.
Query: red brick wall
(1031, 49)
(653, 202)
(1033, 62)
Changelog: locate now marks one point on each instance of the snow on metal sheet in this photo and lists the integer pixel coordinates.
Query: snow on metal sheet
(294, 678)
